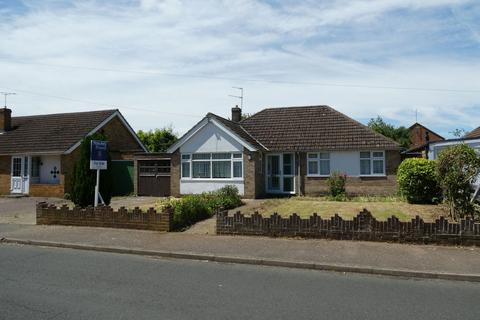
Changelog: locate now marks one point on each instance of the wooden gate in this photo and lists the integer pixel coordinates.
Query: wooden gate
(154, 178)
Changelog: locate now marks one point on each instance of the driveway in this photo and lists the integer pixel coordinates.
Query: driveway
(22, 210)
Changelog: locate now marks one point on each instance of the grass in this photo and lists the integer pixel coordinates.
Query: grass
(380, 207)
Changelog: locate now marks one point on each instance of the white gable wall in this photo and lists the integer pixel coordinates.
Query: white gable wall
(210, 139)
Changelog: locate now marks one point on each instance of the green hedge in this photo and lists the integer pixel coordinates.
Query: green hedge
(197, 207)
(418, 181)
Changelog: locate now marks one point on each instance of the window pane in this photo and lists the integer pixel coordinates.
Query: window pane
(312, 167)
(365, 155)
(221, 169)
(378, 154)
(35, 167)
(17, 167)
(201, 156)
(325, 167)
(365, 167)
(201, 169)
(324, 155)
(288, 184)
(221, 155)
(185, 156)
(312, 155)
(186, 170)
(378, 167)
(237, 155)
(237, 169)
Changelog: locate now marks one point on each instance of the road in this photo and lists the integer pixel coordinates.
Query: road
(50, 283)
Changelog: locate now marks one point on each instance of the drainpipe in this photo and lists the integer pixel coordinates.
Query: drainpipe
(299, 187)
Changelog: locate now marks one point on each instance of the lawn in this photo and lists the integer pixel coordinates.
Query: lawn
(381, 208)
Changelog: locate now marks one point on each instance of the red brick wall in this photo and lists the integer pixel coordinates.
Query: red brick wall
(417, 136)
(5, 167)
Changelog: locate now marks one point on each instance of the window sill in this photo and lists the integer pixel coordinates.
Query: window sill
(211, 180)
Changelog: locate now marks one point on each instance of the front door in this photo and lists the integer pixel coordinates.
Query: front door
(281, 173)
(17, 174)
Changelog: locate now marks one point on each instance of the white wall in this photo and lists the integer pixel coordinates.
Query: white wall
(345, 162)
(211, 139)
(195, 186)
(436, 149)
(48, 163)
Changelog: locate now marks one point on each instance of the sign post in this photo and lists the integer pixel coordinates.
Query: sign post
(98, 161)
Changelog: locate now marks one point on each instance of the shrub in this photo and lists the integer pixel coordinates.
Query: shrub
(336, 185)
(457, 168)
(84, 180)
(418, 181)
(196, 207)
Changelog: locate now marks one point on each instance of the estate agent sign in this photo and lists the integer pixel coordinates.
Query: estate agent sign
(98, 161)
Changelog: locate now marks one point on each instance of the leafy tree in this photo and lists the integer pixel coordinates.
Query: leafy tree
(158, 140)
(246, 116)
(398, 134)
(418, 181)
(84, 179)
(458, 133)
(457, 168)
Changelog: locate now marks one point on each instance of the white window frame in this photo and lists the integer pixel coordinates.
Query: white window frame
(317, 160)
(191, 160)
(372, 158)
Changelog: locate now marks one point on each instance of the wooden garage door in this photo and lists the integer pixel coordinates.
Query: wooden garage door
(154, 178)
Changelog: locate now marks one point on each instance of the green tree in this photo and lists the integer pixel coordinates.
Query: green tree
(398, 134)
(84, 179)
(158, 140)
(418, 181)
(457, 168)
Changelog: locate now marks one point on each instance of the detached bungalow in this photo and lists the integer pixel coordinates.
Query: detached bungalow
(281, 151)
(38, 153)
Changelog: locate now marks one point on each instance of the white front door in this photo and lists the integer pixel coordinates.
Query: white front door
(20, 174)
(281, 173)
(17, 174)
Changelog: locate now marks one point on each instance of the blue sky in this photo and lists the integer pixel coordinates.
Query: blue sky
(170, 62)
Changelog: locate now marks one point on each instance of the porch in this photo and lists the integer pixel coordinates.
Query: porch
(36, 175)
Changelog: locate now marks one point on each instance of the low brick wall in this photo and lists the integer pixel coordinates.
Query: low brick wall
(362, 227)
(105, 217)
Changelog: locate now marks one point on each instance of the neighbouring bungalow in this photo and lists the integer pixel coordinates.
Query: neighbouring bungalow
(38, 153)
(283, 151)
(420, 137)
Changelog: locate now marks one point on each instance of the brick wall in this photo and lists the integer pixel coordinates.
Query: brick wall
(361, 227)
(121, 143)
(253, 174)
(5, 167)
(46, 190)
(105, 217)
(175, 172)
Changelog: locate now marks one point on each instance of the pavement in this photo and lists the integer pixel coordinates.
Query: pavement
(51, 283)
(393, 259)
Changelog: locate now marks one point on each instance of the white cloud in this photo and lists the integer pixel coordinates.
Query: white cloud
(391, 43)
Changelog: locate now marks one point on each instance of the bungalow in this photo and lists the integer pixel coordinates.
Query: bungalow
(420, 137)
(281, 151)
(38, 153)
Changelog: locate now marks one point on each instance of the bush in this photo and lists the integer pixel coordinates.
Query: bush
(457, 168)
(418, 181)
(336, 185)
(196, 207)
(84, 180)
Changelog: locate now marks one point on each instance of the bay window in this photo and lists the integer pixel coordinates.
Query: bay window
(318, 164)
(372, 163)
(224, 165)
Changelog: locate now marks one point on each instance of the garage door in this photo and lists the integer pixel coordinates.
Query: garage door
(122, 175)
(154, 178)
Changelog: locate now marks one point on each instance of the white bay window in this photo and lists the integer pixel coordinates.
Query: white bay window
(212, 166)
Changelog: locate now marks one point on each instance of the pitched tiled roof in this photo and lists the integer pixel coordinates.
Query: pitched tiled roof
(239, 130)
(51, 132)
(473, 134)
(312, 128)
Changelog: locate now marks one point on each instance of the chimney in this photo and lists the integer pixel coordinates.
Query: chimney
(5, 119)
(236, 114)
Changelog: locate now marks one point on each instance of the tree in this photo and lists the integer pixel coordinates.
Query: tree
(457, 168)
(398, 134)
(158, 140)
(458, 133)
(84, 179)
(418, 181)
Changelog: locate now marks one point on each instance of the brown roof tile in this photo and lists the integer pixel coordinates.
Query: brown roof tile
(312, 128)
(51, 132)
(473, 134)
